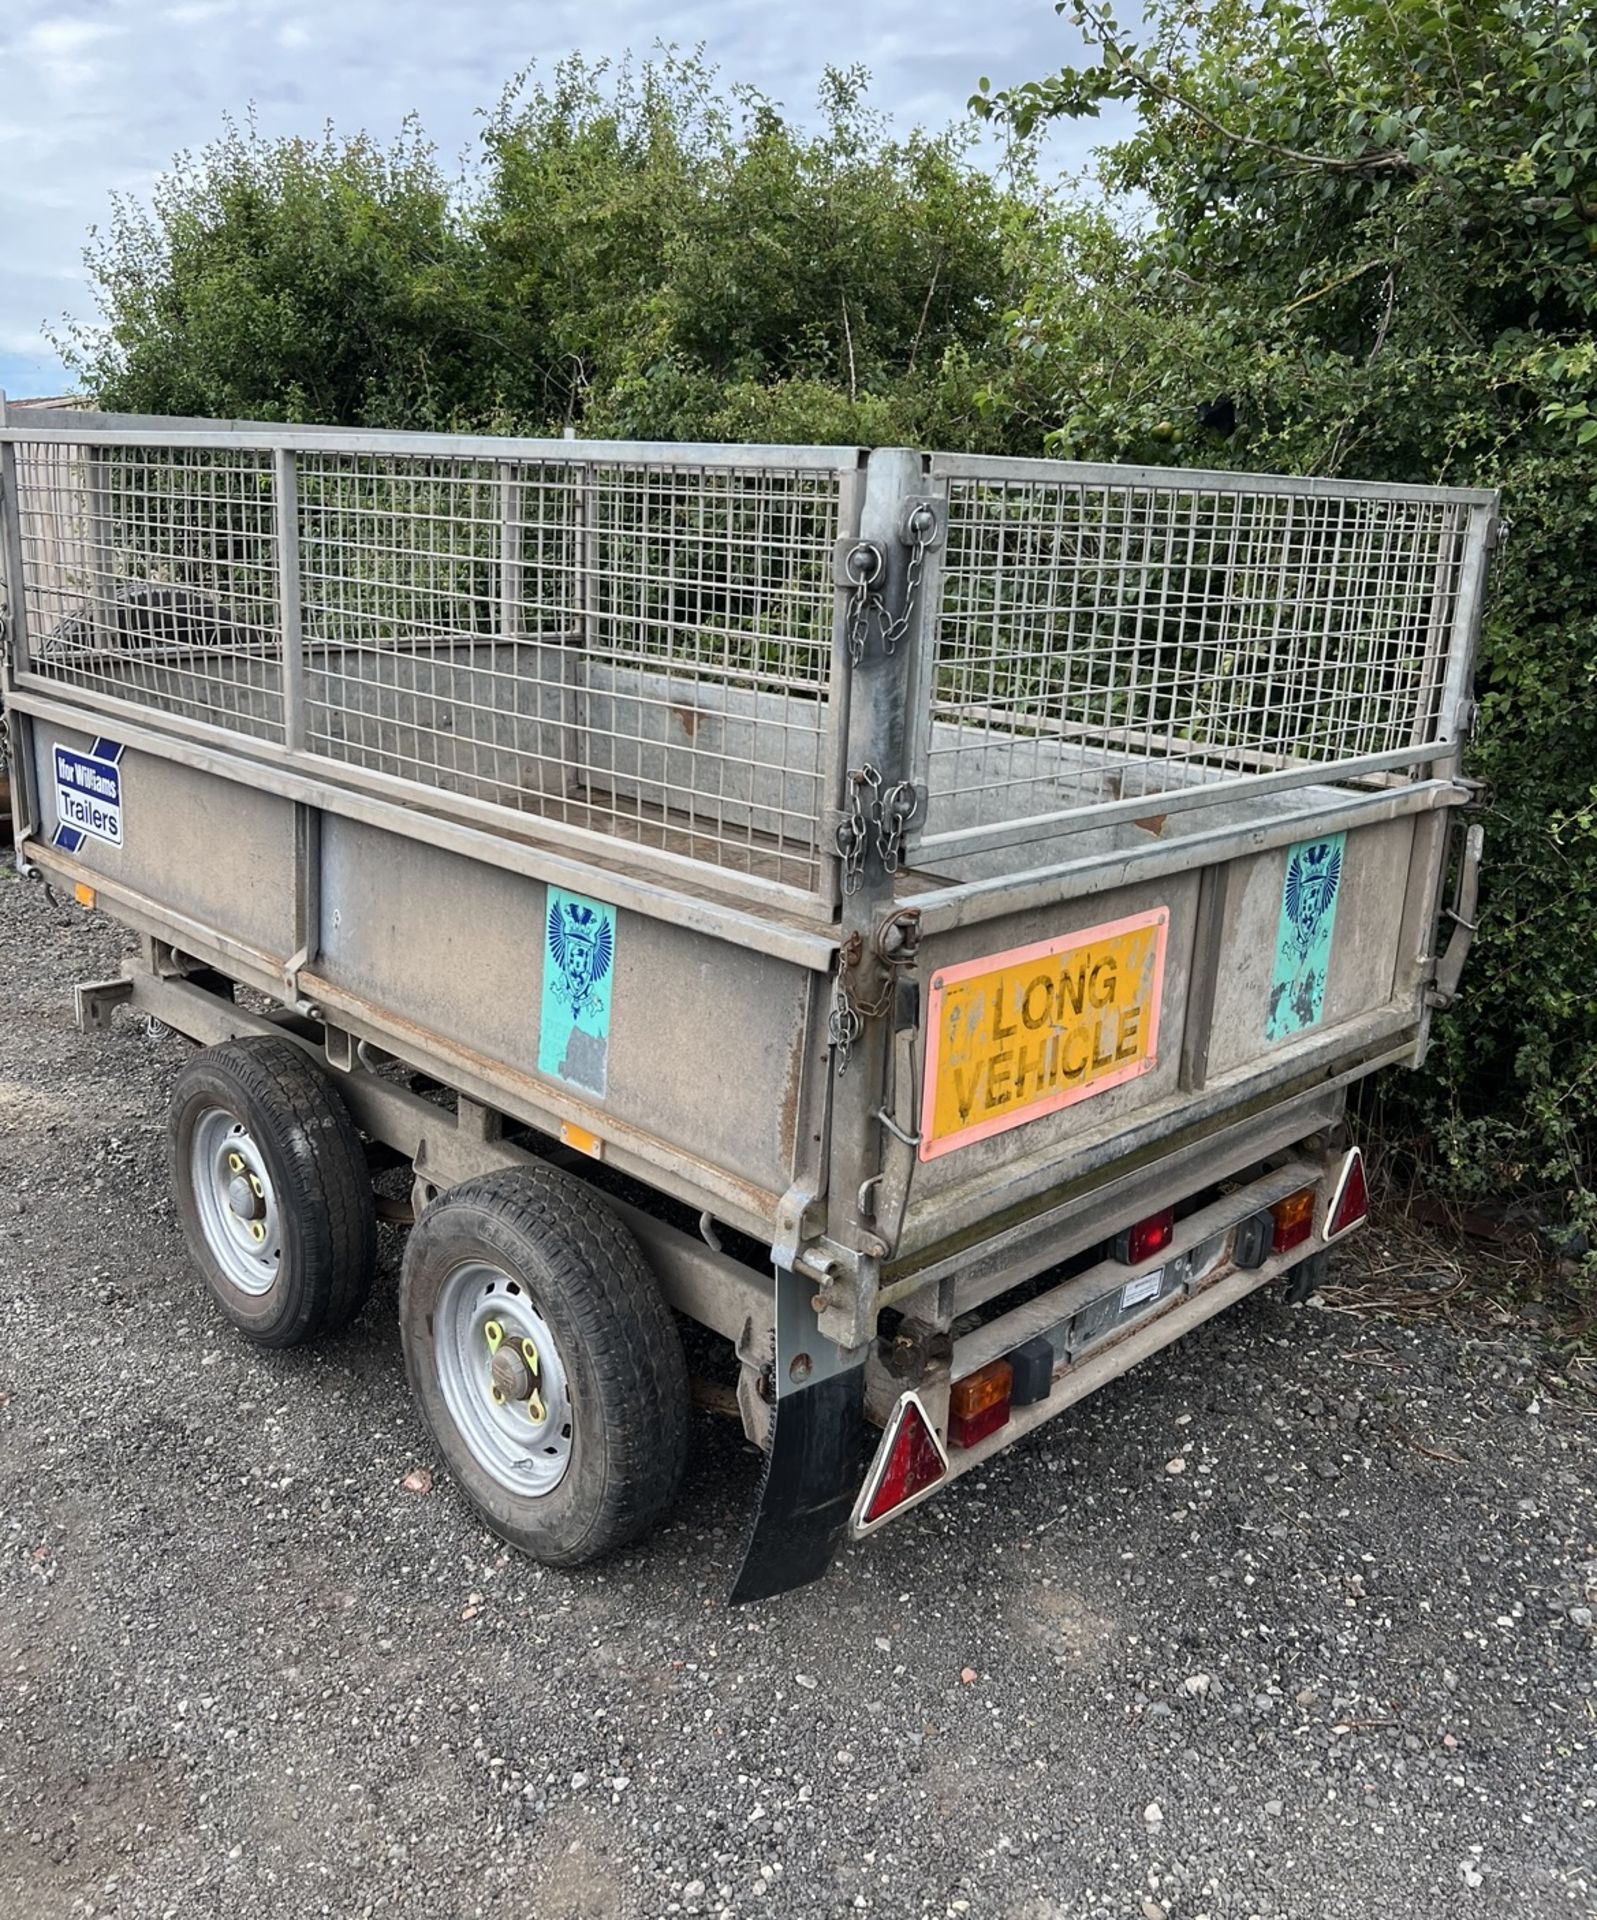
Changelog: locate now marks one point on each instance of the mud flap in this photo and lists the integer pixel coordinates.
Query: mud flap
(814, 1462)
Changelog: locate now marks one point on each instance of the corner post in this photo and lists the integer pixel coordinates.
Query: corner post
(876, 789)
(11, 564)
(814, 1463)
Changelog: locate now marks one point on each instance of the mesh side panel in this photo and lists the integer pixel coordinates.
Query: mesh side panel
(1096, 641)
(152, 577)
(640, 648)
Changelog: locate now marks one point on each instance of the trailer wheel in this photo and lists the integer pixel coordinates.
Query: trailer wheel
(546, 1363)
(272, 1190)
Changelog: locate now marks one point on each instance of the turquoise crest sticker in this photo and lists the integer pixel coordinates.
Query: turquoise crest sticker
(1303, 935)
(579, 945)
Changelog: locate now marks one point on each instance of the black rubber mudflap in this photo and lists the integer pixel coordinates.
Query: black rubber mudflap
(1307, 1275)
(813, 1471)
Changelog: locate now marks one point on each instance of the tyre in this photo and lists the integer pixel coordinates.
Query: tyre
(546, 1363)
(272, 1190)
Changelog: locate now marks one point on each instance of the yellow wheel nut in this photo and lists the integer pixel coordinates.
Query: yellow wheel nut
(529, 1353)
(493, 1333)
(537, 1413)
(235, 1163)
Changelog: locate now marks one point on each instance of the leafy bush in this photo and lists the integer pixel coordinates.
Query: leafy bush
(1370, 249)
(283, 280)
(637, 253)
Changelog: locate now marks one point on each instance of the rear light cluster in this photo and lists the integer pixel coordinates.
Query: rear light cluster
(979, 1404)
(912, 1460)
(1294, 1220)
(1289, 1222)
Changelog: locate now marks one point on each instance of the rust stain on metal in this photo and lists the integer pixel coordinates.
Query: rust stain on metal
(787, 1120)
(690, 718)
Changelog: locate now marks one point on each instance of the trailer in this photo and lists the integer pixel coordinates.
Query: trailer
(917, 915)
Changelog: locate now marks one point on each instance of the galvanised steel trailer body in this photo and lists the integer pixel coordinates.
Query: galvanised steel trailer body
(918, 914)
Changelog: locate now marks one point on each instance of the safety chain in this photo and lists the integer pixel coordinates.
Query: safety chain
(894, 813)
(896, 946)
(920, 529)
(845, 1023)
(854, 832)
(864, 565)
(872, 810)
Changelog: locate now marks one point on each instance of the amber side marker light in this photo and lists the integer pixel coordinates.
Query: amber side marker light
(571, 1135)
(909, 1463)
(979, 1404)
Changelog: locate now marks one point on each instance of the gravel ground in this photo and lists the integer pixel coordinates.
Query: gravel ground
(1296, 1621)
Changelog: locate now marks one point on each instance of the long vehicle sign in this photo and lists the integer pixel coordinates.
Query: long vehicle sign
(1015, 1035)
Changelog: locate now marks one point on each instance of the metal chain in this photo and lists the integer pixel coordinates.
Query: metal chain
(845, 1023)
(886, 814)
(854, 831)
(922, 529)
(895, 811)
(864, 568)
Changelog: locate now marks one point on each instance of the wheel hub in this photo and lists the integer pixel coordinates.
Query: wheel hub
(243, 1198)
(236, 1201)
(511, 1374)
(503, 1379)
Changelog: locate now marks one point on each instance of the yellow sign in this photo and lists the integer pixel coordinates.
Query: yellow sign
(1019, 1034)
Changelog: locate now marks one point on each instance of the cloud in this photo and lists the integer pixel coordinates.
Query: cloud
(100, 95)
(65, 56)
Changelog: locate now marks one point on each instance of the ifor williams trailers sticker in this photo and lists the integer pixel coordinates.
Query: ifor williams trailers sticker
(88, 795)
(579, 946)
(1303, 935)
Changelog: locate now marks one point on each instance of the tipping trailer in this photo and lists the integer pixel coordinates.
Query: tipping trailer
(917, 915)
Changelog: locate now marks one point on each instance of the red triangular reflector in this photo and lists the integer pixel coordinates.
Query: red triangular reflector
(914, 1462)
(1352, 1201)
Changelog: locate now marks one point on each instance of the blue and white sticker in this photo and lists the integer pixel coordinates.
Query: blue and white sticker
(579, 947)
(1303, 935)
(88, 795)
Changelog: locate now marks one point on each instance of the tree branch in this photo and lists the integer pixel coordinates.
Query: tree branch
(926, 307)
(1387, 160)
(1331, 286)
(1386, 317)
(848, 339)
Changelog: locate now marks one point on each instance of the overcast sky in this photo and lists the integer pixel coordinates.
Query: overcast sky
(97, 95)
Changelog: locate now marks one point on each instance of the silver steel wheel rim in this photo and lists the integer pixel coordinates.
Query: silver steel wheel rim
(237, 1202)
(523, 1442)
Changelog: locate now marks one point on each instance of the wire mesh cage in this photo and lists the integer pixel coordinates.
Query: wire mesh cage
(151, 576)
(637, 645)
(1097, 638)
(642, 642)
